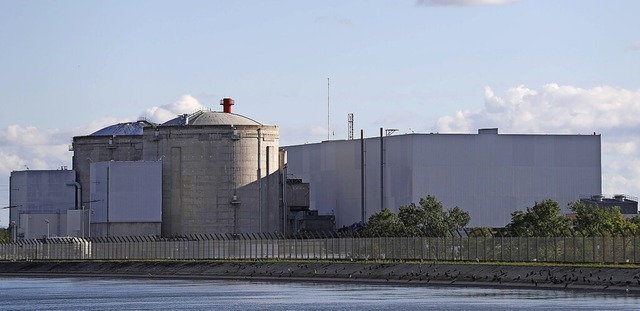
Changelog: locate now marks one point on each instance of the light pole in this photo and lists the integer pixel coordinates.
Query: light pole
(14, 232)
(82, 221)
(47, 221)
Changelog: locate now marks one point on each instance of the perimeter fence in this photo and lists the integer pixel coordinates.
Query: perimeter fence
(574, 249)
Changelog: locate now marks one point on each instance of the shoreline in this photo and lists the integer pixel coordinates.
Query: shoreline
(622, 280)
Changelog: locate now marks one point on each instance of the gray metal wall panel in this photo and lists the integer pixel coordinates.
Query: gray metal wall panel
(126, 191)
(136, 192)
(488, 175)
(98, 172)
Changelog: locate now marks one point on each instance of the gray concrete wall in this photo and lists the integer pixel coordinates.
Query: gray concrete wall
(204, 166)
(126, 229)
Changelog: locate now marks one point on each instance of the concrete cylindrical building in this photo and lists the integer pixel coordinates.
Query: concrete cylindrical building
(219, 173)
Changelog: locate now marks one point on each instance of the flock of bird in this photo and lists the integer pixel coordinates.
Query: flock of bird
(438, 273)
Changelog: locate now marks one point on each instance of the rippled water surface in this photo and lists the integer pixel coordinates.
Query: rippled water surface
(178, 294)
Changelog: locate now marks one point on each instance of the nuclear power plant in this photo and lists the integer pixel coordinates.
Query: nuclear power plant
(213, 172)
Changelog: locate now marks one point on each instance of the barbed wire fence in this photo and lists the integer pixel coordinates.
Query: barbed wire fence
(460, 245)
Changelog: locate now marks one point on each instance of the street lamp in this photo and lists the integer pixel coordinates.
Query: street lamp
(47, 221)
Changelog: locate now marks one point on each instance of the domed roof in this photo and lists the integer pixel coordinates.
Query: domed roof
(128, 128)
(203, 117)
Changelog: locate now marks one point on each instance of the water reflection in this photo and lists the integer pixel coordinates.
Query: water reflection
(177, 294)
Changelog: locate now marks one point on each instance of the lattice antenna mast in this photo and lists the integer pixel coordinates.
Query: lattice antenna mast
(350, 126)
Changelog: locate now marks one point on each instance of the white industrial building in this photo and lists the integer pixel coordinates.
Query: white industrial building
(39, 201)
(490, 175)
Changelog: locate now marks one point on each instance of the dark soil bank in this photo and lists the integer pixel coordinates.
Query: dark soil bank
(621, 279)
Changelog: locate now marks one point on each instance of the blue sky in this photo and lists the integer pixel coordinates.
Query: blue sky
(68, 68)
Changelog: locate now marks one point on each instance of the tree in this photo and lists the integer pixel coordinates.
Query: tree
(458, 218)
(412, 218)
(544, 219)
(4, 235)
(636, 221)
(595, 220)
(430, 219)
(384, 223)
(477, 232)
(425, 219)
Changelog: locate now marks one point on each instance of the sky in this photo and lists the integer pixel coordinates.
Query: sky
(69, 68)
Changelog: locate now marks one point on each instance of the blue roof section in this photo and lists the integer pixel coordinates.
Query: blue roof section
(129, 128)
(203, 117)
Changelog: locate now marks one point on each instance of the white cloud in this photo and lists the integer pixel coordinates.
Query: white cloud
(9, 162)
(463, 2)
(30, 147)
(553, 108)
(186, 104)
(29, 135)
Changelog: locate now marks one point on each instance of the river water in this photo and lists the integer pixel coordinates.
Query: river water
(18, 293)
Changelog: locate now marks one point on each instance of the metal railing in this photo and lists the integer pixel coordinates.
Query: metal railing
(583, 249)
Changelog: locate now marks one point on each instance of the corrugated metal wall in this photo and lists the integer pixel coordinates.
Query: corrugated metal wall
(488, 175)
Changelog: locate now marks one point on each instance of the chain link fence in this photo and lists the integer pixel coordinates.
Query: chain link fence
(574, 249)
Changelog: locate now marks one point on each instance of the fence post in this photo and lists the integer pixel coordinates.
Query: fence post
(613, 244)
(624, 248)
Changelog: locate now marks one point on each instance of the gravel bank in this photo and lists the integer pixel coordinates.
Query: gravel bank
(620, 279)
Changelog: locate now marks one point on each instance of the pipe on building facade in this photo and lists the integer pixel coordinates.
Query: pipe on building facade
(78, 191)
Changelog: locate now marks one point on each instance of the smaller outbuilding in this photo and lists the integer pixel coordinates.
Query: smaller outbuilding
(628, 204)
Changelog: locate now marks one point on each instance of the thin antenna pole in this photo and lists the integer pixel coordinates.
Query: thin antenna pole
(328, 124)
(381, 171)
(362, 178)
